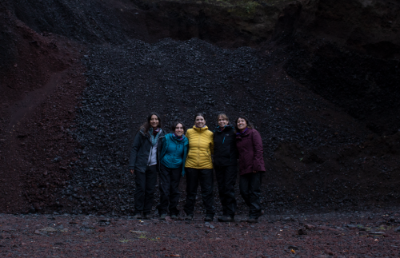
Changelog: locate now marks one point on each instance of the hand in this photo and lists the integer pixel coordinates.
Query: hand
(132, 171)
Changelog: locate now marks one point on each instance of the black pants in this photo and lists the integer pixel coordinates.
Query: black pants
(145, 186)
(206, 180)
(250, 190)
(169, 189)
(226, 177)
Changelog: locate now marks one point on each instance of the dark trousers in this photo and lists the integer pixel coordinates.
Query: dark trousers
(145, 186)
(250, 190)
(206, 180)
(226, 177)
(169, 190)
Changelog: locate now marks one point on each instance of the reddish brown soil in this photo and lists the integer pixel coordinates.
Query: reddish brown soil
(319, 235)
(38, 101)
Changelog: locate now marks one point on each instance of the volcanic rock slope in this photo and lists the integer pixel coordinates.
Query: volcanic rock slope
(112, 62)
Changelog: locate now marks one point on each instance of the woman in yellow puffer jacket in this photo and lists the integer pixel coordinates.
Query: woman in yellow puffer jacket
(199, 168)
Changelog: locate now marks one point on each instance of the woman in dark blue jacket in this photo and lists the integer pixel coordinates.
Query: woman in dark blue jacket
(173, 155)
(144, 163)
(225, 165)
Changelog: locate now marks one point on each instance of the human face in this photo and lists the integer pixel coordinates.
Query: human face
(179, 130)
(222, 121)
(200, 122)
(241, 124)
(154, 121)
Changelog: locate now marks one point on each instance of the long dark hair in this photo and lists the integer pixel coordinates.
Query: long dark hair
(146, 126)
(249, 124)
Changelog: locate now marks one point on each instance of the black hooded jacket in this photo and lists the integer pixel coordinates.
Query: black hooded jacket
(225, 151)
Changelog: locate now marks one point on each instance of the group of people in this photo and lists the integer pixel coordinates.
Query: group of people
(195, 153)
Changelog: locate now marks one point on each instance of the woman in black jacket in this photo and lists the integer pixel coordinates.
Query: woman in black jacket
(225, 165)
(144, 161)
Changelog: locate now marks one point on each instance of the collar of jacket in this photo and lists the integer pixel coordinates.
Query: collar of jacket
(228, 127)
(205, 128)
(147, 135)
(245, 134)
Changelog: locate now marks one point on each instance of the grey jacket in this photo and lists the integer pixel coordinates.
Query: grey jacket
(140, 151)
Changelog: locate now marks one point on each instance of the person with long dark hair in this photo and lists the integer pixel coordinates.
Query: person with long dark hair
(143, 163)
(225, 165)
(199, 168)
(251, 165)
(173, 156)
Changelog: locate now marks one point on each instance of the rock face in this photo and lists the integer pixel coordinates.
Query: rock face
(317, 78)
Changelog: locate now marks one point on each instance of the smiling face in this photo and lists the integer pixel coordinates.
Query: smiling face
(241, 124)
(200, 121)
(179, 130)
(154, 122)
(222, 121)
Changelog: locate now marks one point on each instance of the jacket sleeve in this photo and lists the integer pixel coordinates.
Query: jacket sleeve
(212, 144)
(185, 152)
(163, 147)
(258, 159)
(134, 150)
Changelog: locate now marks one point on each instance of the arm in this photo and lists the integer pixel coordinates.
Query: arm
(163, 147)
(212, 144)
(258, 160)
(134, 150)
(185, 152)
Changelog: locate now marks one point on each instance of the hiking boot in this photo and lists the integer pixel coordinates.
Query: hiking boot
(189, 217)
(226, 218)
(163, 216)
(252, 220)
(209, 217)
(146, 216)
(137, 216)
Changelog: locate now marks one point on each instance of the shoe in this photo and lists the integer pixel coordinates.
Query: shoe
(137, 216)
(252, 220)
(174, 216)
(226, 218)
(146, 216)
(163, 216)
(189, 217)
(209, 217)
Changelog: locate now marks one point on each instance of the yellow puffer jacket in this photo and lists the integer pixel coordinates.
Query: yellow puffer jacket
(201, 146)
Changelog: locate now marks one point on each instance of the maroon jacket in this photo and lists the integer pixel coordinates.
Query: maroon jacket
(251, 152)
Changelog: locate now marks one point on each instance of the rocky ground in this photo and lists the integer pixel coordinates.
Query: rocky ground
(78, 79)
(360, 234)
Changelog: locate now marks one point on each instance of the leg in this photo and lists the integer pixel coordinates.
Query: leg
(175, 176)
(244, 188)
(140, 183)
(254, 195)
(207, 190)
(164, 189)
(151, 180)
(192, 182)
(229, 190)
(220, 174)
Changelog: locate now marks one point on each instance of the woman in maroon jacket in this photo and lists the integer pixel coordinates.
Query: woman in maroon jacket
(251, 164)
